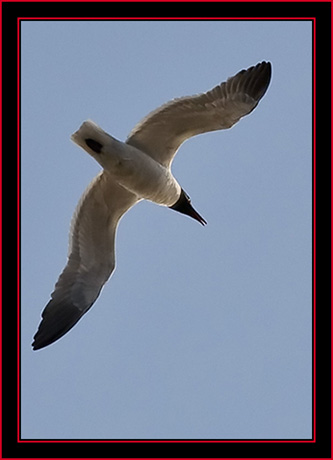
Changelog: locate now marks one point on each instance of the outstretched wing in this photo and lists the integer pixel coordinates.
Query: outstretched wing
(163, 130)
(91, 258)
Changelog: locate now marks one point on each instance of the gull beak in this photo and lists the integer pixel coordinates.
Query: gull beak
(183, 205)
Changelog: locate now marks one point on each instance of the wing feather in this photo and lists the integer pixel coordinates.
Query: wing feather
(91, 257)
(162, 132)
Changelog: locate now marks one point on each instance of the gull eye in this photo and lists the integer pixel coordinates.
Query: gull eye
(94, 145)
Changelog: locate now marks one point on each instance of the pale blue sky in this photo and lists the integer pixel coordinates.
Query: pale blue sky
(200, 332)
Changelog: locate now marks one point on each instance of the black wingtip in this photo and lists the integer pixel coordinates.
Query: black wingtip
(260, 80)
(57, 320)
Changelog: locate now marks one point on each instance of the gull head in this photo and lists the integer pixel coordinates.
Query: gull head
(183, 205)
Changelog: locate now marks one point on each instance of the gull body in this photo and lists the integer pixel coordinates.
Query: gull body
(130, 167)
(137, 169)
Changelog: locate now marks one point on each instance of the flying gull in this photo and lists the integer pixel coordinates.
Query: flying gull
(137, 169)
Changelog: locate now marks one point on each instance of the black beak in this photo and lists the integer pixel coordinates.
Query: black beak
(184, 206)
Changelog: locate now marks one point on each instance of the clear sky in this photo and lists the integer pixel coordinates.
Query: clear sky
(201, 332)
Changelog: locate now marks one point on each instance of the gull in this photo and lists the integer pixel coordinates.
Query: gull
(137, 169)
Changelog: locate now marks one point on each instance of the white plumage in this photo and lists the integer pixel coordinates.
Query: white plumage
(138, 169)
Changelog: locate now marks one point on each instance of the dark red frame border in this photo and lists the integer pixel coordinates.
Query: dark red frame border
(314, 438)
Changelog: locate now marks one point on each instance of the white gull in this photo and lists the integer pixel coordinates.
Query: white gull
(138, 169)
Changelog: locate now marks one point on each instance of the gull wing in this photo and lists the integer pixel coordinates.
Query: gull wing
(161, 133)
(91, 258)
